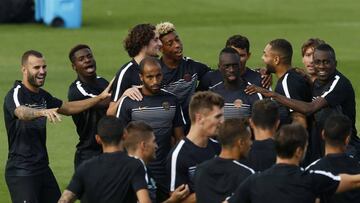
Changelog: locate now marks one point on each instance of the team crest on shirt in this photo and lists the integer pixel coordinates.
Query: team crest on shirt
(187, 77)
(166, 105)
(238, 103)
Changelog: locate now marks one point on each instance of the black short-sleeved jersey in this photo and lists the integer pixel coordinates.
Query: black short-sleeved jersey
(86, 121)
(182, 81)
(163, 113)
(183, 159)
(126, 77)
(27, 139)
(340, 96)
(337, 164)
(218, 178)
(294, 86)
(214, 77)
(237, 103)
(109, 177)
(262, 154)
(286, 183)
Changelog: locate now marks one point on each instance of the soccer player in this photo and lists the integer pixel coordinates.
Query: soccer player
(336, 133)
(160, 110)
(277, 58)
(110, 177)
(27, 107)
(206, 114)
(87, 85)
(217, 178)
(332, 93)
(286, 181)
(140, 143)
(141, 41)
(242, 45)
(231, 88)
(307, 52)
(264, 121)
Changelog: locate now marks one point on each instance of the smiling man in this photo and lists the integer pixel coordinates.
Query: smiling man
(27, 108)
(87, 85)
(231, 88)
(332, 93)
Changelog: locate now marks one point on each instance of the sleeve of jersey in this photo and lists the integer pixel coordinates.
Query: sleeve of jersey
(242, 193)
(52, 102)
(176, 169)
(179, 119)
(12, 101)
(296, 88)
(76, 184)
(203, 69)
(324, 182)
(204, 83)
(123, 112)
(120, 84)
(78, 92)
(337, 93)
(138, 181)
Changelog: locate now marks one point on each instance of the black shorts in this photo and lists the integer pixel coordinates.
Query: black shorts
(40, 188)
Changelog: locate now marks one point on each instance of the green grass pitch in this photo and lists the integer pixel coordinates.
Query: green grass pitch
(203, 26)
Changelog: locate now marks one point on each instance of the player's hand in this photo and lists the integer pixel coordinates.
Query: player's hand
(303, 73)
(106, 92)
(180, 193)
(51, 115)
(266, 80)
(252, 89)
(134, 93)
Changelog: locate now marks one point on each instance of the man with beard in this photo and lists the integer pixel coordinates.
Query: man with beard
(206, 114)
(242, 45)
(87, 85)
(26, 109)
(160, 110)
(277, 58)
(142, 41)
(332, 93)
(237, 102)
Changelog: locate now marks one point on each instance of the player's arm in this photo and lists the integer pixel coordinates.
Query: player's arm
(348, 182)
(67, 197)
(179, 194)
(178, 134)
(143, 196)
(297, 105)
(27, 113)
(74, 107)
(133, 93)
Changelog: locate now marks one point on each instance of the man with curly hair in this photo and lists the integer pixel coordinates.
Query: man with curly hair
(141, 41)
(180, 73)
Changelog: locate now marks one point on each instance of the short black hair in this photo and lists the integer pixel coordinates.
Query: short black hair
(289, 138)
(231, 130)
(110, 129)
(136, 131)
(25, 56)
(265, 113)
(228, 50)
(337, 128)
(138, 37)
(238, 41)
(326, 47)
(75, 49)
(204, 100)
(284, 48)
(149, 60)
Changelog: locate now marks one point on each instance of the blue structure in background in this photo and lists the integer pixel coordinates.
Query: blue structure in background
(59, 13)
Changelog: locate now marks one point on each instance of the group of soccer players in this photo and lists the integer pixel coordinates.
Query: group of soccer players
(171, 129)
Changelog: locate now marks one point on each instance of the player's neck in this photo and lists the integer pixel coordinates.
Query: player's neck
(170, 62)
(88, 80)
(111, 148)
(137, 154)
(197, 137)
(229, 153)
(263, 134)
(138, 58)
(281, 70)
(233, 85)
(29, 86)
(290, 161)
(146, 92)
(334, 150)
